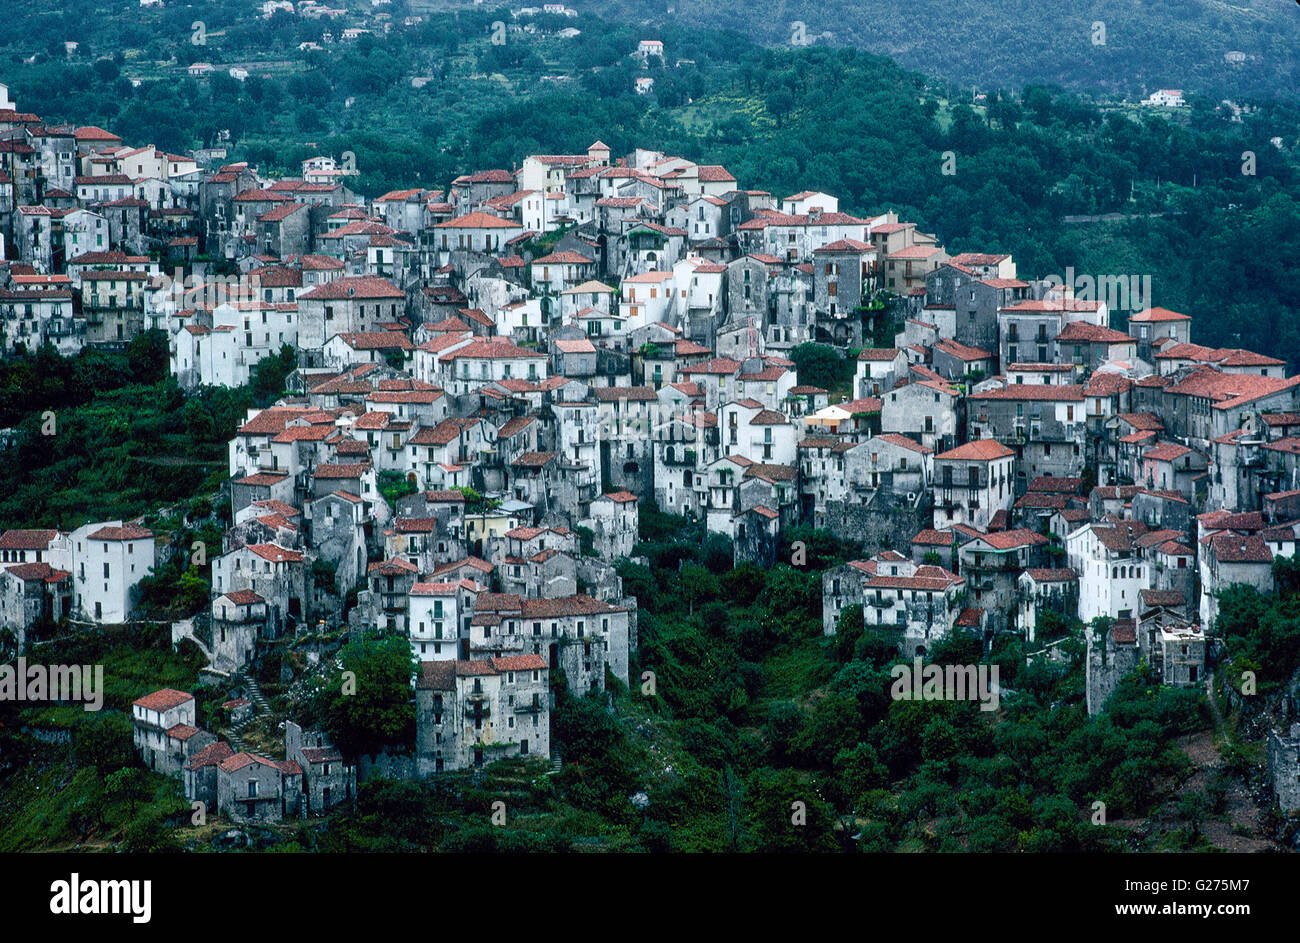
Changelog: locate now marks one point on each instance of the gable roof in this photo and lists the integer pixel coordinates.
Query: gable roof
(980, 450)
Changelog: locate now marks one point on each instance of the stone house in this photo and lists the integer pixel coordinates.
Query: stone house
(469, 713)
(578, 634)
(285, 230)
(30, 592)
(389, 582)
(891, 462)
(614, 524)
(238, 620)
(992, 564)
(976, 304)
(1043, 589)
(1045, 425)
(931, 412)
(972, 483)
(338, 536)
(1226, 559)
(200, 775)
(878, 369)
(1027, 330)
(1175, 647)
(1284, 768)
(842, 588)
(755, 532)
(1087, 346)
(843, 272)
(955, 360)
(1107, 661)
(252, 788)
(275, 573)
(920, 603)
(163, 730)
(1156, 324)
(327, 779)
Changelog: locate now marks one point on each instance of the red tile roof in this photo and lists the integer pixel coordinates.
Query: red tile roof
(27, 539)
(162, 700)
(1157, 314)
(127, 532)
(1034, 391)
(359, 288)
(981, 450)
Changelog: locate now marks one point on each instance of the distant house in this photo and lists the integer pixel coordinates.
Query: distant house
(649, 47)
(1166, 98)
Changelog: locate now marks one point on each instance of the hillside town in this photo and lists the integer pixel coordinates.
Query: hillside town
(492, 379)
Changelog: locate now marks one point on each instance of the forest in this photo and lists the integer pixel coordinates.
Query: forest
(1205, 196)
(1128, 47)
(107, 435)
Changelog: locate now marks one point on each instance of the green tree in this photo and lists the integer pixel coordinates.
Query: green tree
(366, 704)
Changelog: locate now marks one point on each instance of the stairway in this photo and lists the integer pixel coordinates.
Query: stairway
(260, 707)
(253, 692)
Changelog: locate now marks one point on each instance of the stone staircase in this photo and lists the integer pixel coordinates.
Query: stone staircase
(260, 707)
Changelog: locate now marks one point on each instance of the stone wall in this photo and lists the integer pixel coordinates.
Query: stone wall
(1284, 768)
(880, 523)
(1107, 663)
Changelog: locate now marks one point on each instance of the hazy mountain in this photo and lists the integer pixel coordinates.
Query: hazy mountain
(1245, 48)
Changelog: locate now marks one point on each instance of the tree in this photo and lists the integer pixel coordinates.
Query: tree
(786, 814)
(780, 103)
(147, 356)
(370, 708)
(130, 785)
(817, 365)
(848, 631)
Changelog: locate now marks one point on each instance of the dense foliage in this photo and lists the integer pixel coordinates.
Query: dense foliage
(106, 435)
(1208, 233)
(1142, 45)
(745, 729)
(365, 702)
(1261, 631)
